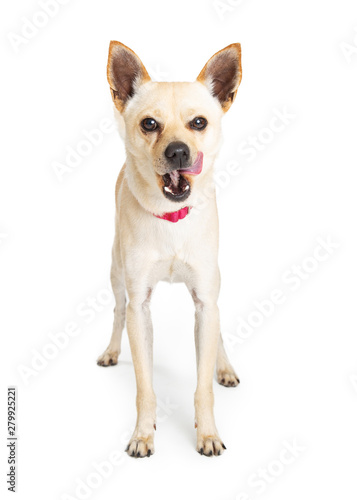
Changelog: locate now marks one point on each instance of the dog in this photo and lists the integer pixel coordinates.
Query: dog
(172, 136)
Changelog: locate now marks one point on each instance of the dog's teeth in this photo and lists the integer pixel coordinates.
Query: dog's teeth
(169, 189)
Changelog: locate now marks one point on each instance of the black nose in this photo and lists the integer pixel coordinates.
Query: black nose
(178, 154)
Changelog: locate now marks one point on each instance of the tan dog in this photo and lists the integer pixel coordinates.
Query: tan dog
(172, 136)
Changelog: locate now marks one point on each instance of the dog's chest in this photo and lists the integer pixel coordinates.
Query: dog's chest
(173, 270)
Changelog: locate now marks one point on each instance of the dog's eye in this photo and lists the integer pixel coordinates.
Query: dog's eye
(198, 123)
(149, 124)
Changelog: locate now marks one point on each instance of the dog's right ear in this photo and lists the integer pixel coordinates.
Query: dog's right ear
(125, 73)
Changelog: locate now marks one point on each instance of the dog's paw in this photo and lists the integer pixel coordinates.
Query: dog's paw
(210, 445)
(140, 447)
(228, 378)
(108, 358)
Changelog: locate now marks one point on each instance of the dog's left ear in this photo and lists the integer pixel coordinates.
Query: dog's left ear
(125, 73)
(222, 74)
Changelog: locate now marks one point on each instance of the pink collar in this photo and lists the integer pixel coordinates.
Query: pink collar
(175, 216)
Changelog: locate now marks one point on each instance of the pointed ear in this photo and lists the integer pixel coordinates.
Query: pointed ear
(125, 73)
(223, 74)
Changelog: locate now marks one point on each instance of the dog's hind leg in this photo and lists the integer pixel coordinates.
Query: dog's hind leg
(111, 354)
(225, 373)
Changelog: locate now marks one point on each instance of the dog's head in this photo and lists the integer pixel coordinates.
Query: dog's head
(173, 130)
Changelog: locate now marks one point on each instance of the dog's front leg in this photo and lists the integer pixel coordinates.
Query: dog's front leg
(140, 334)
(207, 332)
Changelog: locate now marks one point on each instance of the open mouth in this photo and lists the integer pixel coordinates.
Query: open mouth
(177, 186)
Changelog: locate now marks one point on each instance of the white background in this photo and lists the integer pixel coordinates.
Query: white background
(298, 369)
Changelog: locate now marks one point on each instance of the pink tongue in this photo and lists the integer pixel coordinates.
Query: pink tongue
(196, 167)
(194, 170)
